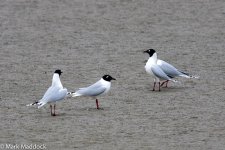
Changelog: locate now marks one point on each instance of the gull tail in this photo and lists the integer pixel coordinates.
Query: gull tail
(187, 75)
(35, 103)
(75, 94)
(39, 103)
(194, 76)
(175, 81)
(70, 94)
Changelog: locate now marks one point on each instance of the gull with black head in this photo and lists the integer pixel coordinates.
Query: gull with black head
(55, 93)
(154, 69)
(99, 88)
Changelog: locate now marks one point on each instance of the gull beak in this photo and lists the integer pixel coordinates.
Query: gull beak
(113, 79)
(145, 51)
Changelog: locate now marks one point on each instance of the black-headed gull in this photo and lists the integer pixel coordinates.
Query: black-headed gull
(55, 93)
(154, 69)
(100, 87)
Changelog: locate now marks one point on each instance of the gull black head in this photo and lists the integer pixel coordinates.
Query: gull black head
(58, 71)
(150, 52)
(108, 78)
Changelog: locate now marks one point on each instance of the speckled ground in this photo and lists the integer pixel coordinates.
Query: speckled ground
(87, 39)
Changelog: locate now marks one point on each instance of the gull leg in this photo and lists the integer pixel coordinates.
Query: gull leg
(164, 83)
(97, 104)
(154, 86)
(167, 83)
(159, 87)
(54, 110)
(51, 109)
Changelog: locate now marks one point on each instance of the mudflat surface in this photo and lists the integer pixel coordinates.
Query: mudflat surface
(87, 39)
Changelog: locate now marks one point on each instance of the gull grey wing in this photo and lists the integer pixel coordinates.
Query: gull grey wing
(169, 69)
(49, 92)
(59, 95)
(93, 90)
(158, 72)
(54, 94)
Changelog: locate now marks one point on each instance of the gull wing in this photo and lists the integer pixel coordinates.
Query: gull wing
(93, 90)
(158, 72)
(54, 93)
(168, 69)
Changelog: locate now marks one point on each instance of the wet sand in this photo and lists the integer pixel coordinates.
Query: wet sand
(87, 39)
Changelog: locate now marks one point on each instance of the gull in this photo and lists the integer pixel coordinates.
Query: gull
(55, 93)
(154, 69)
(100, 87)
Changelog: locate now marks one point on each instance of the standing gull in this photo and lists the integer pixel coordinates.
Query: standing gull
(100, 87)
(55, 92)
(154, 69)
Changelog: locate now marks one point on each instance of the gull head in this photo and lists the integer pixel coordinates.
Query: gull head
(150, 52)
(58, 72)
(108, 78)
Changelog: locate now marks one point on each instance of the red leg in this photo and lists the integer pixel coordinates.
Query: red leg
(97, 104)
(51, 109)
(164, 83)
(159, 87)
(54, 110)
(154, 87)
(167, 83)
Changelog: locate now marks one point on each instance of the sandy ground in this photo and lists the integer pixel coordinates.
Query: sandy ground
(87, 39)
